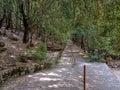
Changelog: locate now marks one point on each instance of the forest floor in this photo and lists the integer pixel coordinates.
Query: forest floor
(67, 76)
(15, 47)
(8, 57)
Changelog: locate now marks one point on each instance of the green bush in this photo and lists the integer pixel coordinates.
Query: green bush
(42, 47)
(39, 53)
(94, 57)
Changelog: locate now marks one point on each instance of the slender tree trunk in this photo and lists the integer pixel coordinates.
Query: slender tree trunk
(25, 23)
(9, 21)
(82, 43)
(2, 20)
(26, 33)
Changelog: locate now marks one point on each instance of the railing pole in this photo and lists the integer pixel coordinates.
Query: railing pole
(84, 77)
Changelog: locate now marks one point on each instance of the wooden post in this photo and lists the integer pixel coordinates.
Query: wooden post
(84, 78)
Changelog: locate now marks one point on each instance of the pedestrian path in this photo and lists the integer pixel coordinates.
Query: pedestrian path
(66, 76)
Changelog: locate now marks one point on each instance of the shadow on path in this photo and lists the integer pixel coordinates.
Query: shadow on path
(66, 77)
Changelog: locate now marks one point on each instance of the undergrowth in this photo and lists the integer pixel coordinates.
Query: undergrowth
(95, 57)
(38, 53)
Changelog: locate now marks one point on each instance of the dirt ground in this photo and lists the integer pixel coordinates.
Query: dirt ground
(9, 58)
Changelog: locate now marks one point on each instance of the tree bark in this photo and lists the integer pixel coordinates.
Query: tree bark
(25, 23)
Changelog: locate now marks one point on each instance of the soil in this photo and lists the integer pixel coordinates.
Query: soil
(14, 46)
(8, 57)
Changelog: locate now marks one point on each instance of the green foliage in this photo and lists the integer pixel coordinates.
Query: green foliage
(42, 47)
(39, 53)
(94, 57)
(98, 22)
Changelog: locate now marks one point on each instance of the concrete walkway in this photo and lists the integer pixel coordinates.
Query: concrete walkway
(117, 73)
(65, 76)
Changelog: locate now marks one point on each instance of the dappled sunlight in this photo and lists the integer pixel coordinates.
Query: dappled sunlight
(20, 49)
(45, 74)
(66, 55)
(80, 76)
(63, 70)
(81, 53)
(85, 56)
(62, 84)
(13, 56)
(49, 79)
(76, 51)
(67, 77)
(37, 74)
(53, 86)
(65, 58)
(13, 46)
(87, 64)
(59, 70)
(53, 74)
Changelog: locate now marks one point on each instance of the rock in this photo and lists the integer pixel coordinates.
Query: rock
(2, 44)
(2, 49)
(13, 37)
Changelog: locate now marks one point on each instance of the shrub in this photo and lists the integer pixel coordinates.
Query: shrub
(39, 53)
(42, 47)
(94, 57)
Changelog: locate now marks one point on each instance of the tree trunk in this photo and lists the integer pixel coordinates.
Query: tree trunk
(25, 23)
(9, 21)
(1, 21)
(26, 33)
(82, 43)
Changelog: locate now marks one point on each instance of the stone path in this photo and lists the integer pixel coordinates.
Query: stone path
(117, 73)
(65, 76)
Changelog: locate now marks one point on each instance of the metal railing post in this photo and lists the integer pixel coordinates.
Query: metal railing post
(84, 77)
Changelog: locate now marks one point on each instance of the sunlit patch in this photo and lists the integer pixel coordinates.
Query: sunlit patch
(65, 58)
(80, 76)
(54, 74)
(13, 47)
(43, 74)
(12, 56)
(85, 56)
(30, 76)
(75, 51)
(64, 69)
(81, 53)
(20, 49)
(85, 64)
(49, 79)
(68, 63)
(63, 84)
(59, 70)
(53, 86)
